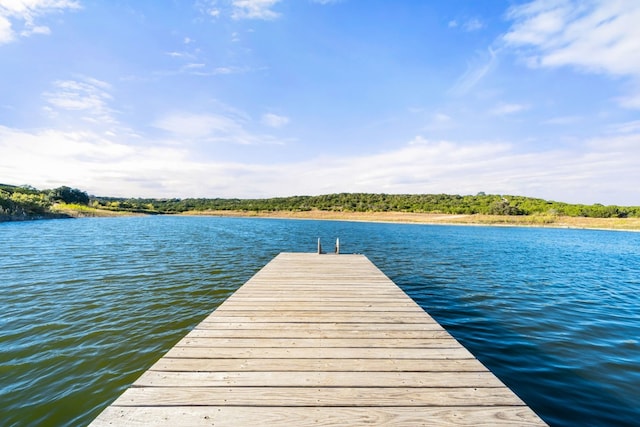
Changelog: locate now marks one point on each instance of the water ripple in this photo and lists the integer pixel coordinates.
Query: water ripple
(88, 305)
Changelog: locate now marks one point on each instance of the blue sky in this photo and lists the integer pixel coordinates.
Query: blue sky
(262, 98)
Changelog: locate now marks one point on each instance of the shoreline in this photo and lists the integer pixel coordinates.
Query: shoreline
(543, 221)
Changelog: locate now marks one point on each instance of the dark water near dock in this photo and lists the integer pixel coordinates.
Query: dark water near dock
(87, 305)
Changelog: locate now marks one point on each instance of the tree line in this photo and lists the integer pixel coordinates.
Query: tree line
(375, 202)
(25, 201)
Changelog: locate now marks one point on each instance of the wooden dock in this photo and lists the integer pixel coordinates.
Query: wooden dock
(318, 340)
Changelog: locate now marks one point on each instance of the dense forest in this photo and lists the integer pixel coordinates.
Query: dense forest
(366, 202)
(26, 202)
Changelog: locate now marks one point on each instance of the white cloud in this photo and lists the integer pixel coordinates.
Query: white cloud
(85, 95)
(109, 165)
(224, 70)
(507, 109)
(6, 33)
(231, 127)
(425, 166)
(438, 122)
(469, 25)
(96, 164)
(24, 13)
(598, 36)
(473, 24)
(254, 9)
(274, 120)
(607, 168)
(441, 118)
(631, 101)
(563, 120)
(36, 30)
(241, 9)
(229, 70)
(199, 125)
(201, 69)
(627, 127)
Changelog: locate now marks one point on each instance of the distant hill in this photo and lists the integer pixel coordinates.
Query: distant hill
(372, 202)
(26, 202)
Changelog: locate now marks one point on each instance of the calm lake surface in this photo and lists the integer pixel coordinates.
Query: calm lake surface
(89, 304)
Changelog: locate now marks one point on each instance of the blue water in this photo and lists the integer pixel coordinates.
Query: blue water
(87, 305)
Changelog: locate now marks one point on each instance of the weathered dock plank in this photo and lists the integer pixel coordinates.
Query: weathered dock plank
(234, 416)
(318, 340)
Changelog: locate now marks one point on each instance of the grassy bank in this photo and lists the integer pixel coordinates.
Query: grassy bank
(82, 211)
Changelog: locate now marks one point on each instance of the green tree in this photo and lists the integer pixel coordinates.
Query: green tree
(503, 207)
(69, 195)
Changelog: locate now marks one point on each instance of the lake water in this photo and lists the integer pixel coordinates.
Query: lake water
(88, 305)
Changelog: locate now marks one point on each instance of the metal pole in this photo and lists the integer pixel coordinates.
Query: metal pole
(337, 246)
(319, 246)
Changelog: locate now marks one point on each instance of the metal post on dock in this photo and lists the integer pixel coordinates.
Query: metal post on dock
(319, 247)
(338, 246)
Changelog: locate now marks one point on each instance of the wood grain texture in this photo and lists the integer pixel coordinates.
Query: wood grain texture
(318, 340)
(234, 416)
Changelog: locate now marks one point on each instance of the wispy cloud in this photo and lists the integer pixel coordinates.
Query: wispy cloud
(468, 25)
(203, 70)
(508, 109)
(229, 128)
(254, 9)
(86, 96)
(598, 36)
(200, 126)
(194, 65)
(631, 100)
(325, 1)
(438, 121)
(441, 118)
(626, 127)
(238, 9)
(199, 68)
(473, 24)
(563, 120)
(229, 70)
(274, 120)
(24, 14)
(482, 64)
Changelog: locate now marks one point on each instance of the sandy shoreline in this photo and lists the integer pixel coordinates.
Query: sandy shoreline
(548, 221)
(627, 224)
